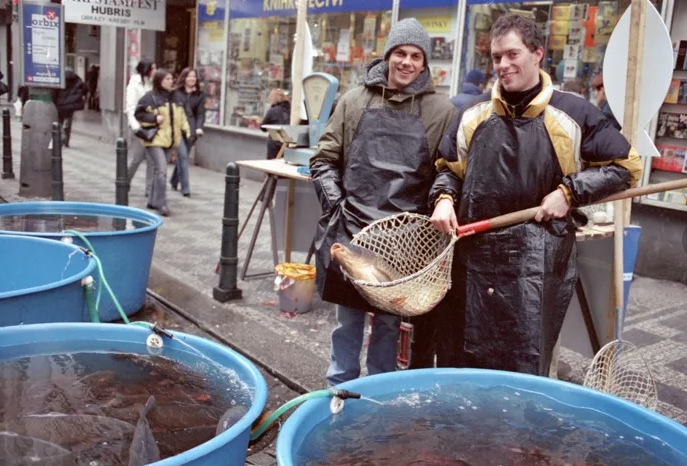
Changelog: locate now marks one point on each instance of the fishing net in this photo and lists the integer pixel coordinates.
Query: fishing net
(419, 254)
(619, 369)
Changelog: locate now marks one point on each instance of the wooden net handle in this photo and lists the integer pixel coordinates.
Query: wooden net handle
(526, 215)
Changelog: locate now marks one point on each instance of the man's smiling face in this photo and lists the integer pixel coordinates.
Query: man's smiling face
(516, 66)
(405, 65)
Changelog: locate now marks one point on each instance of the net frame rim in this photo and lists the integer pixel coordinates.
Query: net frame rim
(424, 218)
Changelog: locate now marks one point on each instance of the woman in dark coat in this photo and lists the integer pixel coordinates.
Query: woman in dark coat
(278, 114)
(189, 94)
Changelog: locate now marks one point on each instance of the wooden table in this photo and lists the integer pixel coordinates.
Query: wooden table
(274, 170)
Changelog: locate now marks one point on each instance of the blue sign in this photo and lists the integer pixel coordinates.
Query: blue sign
(427, 3)
(262, 8)
(42, 34)
(211, 10)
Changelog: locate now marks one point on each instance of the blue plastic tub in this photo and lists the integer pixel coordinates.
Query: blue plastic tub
(40, 281)
(586, 406)
(126, 255)
(227, 449)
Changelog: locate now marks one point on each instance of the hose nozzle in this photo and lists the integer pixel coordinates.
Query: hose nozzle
(344, 394)
(161, 331)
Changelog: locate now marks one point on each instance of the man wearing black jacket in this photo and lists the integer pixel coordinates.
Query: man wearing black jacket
(69, 100)
(525, 145)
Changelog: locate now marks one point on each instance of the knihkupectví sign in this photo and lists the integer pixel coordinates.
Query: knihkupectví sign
(42, 34)
(131, 14)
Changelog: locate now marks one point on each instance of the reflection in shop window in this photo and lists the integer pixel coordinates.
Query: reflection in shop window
(440, 20)
(260, 49)
(209, 55)
(576, 36)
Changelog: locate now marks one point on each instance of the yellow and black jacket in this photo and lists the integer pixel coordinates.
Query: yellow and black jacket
(174, 124)
(514, 285)
(594, 159)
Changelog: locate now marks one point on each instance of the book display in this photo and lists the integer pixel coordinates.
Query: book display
(210, 57)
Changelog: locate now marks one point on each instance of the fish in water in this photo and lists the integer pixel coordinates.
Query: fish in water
(71, 430)
(17, 450)
(143, 448)
(362, 264)
(230, 417)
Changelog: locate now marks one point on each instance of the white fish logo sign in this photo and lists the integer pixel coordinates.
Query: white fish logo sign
(656, 73)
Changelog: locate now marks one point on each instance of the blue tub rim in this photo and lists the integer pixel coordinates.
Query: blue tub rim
(57, 332)
(88, 270)
(85, 208)
(286, 453)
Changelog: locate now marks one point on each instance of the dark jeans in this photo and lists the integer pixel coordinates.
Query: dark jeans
(435, 333)
(65, 121)
(181, 172)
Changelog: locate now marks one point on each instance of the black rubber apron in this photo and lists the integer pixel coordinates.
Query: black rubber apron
(388, 171)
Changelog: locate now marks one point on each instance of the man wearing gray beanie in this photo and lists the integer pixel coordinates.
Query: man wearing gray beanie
(375, 159)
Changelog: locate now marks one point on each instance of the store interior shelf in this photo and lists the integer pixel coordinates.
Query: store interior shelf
(661, 176)
(667, 205)
(674, 108)
(671, 141)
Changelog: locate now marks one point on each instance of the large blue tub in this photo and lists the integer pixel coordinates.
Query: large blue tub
(126, 254)
(226, 449)
(553, 400)
(40, 281)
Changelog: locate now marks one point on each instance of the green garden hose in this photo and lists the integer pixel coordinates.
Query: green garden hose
(343, 394)
(103, 281)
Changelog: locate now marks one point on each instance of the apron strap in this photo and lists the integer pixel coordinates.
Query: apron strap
(372, 97)
(367, 105)
(412, 103)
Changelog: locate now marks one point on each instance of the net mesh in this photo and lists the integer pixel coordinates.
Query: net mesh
(619, 369)
(419, 255)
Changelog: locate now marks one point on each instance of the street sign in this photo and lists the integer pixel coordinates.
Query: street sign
(141, 14)
(42, 34)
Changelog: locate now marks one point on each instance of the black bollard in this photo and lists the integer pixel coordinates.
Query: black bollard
(228, 273)
(122, 179)
(7, 171)
(57, 183)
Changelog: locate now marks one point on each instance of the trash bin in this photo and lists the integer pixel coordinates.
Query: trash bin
(295, 286)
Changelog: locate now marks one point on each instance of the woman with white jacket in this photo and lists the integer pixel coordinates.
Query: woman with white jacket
(139, 84)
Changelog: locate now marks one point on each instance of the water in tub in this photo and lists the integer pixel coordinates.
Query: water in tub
(112, 409)
(55, 223)
(467, 425)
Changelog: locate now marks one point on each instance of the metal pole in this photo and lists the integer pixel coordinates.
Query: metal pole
(228, 274)
(122, 179)
(7, 172)
(57, 182)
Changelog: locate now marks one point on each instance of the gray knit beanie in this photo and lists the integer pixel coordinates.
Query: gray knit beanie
(408, 32)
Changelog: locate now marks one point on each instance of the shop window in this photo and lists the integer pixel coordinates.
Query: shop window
(576, 36)
(439, 17)
(210, 51)
(345, 43)
(345, 36)
(671, 128)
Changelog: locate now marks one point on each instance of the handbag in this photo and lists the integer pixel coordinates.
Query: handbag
(147, 134)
